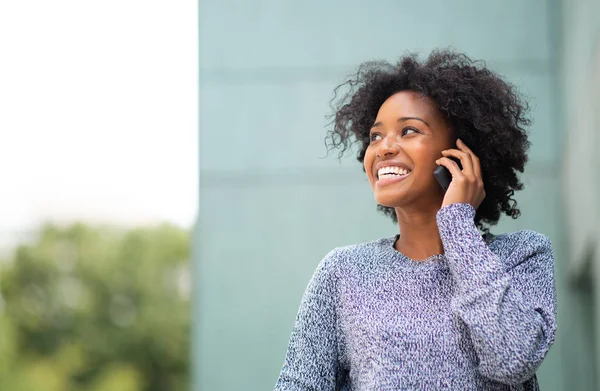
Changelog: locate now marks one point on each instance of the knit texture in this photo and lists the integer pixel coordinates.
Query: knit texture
(481, 316)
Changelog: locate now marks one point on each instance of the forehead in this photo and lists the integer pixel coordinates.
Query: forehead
(410, 104)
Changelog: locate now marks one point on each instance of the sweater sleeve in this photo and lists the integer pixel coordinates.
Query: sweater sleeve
(508, 305)
(311, 361)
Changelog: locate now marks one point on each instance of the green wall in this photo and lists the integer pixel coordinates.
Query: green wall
(271, 207)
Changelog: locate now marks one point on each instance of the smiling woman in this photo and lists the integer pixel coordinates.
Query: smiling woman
(444, 304)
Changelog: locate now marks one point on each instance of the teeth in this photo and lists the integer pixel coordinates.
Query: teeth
(392, 171)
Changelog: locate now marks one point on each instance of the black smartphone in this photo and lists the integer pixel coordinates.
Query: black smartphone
(443, 176)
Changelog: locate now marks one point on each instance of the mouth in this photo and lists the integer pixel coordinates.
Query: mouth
(388, 175)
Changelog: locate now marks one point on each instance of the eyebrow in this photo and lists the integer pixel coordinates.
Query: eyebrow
(376, 124)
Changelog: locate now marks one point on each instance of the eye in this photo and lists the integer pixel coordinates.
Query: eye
(373, 136)
(405, 130)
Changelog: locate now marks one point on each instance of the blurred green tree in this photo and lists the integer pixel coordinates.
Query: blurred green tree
(96, 308)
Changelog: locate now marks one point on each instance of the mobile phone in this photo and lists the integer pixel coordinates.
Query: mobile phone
(443, 176)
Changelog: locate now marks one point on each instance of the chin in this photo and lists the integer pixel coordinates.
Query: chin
(393, 198)
(389, 200)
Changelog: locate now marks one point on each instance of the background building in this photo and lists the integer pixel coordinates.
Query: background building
(271, 205)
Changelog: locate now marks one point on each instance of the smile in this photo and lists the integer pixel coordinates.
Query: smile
(386, 179)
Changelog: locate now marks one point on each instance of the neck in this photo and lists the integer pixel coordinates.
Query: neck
(419, 234)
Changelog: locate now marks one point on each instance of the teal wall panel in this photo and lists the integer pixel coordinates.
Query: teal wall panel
(268, 126)
(277, 34)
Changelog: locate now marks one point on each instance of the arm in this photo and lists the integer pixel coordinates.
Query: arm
(510, 314)
(311, 361)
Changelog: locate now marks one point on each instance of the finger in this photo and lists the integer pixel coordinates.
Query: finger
(476, 164)
(465, 159)
(451, 166)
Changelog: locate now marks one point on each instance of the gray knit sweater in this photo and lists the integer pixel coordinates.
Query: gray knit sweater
(481, 316)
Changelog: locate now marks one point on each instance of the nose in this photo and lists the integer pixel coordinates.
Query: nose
(387, 147)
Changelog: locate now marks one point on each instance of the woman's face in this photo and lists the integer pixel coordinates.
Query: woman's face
(407, 138)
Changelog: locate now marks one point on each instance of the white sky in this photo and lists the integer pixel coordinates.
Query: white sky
(98, 112)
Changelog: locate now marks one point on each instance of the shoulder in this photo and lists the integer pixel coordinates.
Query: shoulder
(352, 255)
(520, 246)
(521, 240)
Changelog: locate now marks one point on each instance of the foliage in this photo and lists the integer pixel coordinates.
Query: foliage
(96, 308)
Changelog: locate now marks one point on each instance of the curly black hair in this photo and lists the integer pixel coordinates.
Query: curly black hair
(485, 111)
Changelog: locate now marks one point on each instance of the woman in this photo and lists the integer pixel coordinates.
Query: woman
(440, 305)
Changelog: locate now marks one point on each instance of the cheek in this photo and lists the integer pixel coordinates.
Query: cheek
(368, 163)
(425, 156)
